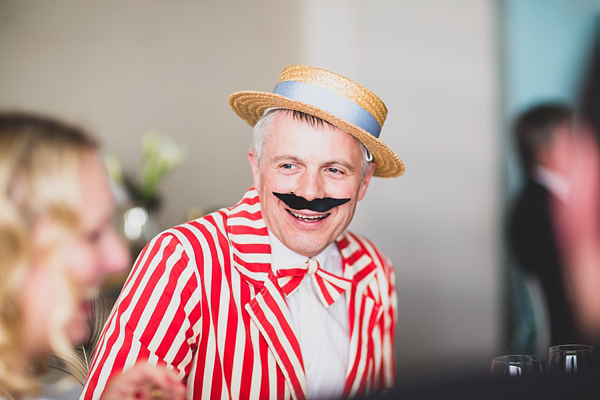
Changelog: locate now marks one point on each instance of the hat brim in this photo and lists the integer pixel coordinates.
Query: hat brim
(251, 105)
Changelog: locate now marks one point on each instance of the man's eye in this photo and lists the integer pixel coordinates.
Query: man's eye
(334, 170)
(287, 166)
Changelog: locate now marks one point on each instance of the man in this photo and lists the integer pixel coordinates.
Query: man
(543, 134)
(273, 298)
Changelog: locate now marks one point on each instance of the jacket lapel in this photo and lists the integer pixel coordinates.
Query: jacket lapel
(364, 311)
(251, 256)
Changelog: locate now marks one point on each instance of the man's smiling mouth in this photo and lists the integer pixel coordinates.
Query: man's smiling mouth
(308, 218)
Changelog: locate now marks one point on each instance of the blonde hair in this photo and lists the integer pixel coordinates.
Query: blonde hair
(40, 163)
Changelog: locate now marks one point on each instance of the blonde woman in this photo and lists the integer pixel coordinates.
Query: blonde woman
(57, 243)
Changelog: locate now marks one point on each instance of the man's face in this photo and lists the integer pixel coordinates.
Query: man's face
(557, 155)
(312, 163)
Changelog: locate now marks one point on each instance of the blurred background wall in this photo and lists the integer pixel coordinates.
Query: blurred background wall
(122, 68)
(434, 65)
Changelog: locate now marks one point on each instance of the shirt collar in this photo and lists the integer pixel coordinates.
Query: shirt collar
(554, 182)
(281, 255)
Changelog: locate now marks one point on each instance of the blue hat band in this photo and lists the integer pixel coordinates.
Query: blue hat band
(331, 102)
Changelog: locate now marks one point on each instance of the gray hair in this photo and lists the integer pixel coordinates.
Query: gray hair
(263, 127)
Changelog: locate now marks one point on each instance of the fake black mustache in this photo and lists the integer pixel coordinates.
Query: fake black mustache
(318, 205)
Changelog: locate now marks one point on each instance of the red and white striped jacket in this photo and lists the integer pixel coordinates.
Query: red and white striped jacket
(203, 300)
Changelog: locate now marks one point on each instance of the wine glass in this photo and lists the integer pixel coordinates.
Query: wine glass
(570, 358)
(516, 366)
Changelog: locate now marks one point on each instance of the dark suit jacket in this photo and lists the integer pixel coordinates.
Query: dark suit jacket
(533, 242)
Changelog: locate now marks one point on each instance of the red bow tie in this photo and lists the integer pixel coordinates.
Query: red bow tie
(329, 287)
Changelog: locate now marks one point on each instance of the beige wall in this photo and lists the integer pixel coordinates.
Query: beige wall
(122, 68)
(434, 63)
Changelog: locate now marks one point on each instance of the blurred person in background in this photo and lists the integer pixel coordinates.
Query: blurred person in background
(543, 134)
(273, 298)
(575, 219)
(57, 243)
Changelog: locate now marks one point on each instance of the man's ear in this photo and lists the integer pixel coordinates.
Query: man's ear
(365, 182)
(255, 169)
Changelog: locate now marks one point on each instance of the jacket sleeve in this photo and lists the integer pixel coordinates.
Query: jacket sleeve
(388, 329)
(155, 319)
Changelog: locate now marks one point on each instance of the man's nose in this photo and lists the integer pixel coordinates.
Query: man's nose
(311, 186)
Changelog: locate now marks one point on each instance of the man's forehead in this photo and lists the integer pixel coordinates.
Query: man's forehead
(284, 118)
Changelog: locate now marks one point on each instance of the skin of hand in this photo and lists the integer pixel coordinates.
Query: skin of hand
(143, 382)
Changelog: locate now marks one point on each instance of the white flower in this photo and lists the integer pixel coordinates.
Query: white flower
(160, 156)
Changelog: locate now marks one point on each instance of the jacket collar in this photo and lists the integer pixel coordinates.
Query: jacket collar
(251, 256)
(249, 238)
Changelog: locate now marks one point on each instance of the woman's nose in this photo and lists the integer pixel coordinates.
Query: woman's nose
(116, 256)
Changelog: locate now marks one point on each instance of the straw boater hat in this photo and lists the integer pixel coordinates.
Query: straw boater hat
(331, 97)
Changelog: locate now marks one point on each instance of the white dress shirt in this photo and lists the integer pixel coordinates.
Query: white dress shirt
(555, 183)
(322, 331)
